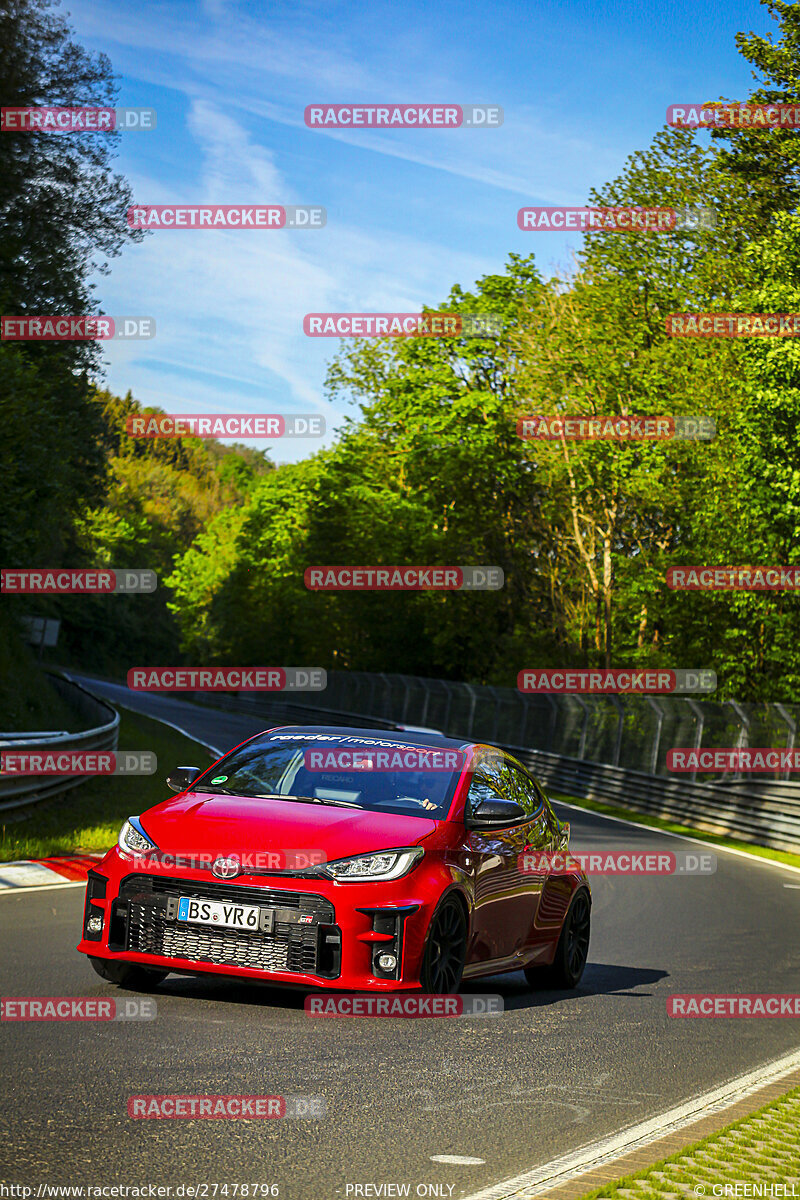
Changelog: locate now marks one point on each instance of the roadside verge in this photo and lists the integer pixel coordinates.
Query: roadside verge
(57, 842)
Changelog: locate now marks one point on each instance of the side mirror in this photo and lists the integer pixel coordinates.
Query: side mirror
(563, 836)
(180, 778)
(495, 813)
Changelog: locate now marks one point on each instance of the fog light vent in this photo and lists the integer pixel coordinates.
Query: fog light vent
(389, 922)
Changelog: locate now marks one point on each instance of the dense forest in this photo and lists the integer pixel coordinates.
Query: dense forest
(429, 468)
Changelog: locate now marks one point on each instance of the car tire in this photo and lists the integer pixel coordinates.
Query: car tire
(572, 950)
(128, 975)
(445, 950)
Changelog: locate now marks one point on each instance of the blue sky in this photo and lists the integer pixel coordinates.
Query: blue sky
(410, 213)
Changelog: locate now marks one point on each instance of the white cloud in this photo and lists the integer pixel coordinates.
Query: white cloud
(229, 305)
(260, 68)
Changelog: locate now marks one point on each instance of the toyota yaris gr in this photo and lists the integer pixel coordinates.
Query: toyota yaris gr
(343, 858)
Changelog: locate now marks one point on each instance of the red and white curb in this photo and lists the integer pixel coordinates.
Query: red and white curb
(59, 870)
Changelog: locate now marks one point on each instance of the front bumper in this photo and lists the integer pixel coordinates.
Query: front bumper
(320, 934)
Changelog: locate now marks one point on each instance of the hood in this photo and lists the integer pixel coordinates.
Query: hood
(196, 823)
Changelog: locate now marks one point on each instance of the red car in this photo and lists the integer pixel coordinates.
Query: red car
(343, 858)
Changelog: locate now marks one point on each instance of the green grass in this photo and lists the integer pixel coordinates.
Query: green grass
(89, 816)
(701, 835)
(763, 1148)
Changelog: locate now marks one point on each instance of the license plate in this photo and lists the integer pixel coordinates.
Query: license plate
(213, 912)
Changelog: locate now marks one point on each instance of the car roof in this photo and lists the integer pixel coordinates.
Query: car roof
(384, 735)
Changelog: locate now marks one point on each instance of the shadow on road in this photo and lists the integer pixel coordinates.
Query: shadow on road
(599, 979)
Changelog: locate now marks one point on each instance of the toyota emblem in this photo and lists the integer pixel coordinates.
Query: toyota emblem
(225, 868)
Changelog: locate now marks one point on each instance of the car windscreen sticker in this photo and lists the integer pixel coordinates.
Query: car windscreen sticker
(219, 779)
(341, 740)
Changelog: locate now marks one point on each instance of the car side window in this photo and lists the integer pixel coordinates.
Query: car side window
(517, 786)
(550, 816)
(542, 828)
(489, 768)
(499, 777)
(480, 789)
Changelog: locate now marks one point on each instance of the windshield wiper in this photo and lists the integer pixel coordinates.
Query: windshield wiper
(281, 796)
(306, 799)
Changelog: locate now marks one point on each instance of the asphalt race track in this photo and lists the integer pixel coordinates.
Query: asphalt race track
(554, 1072)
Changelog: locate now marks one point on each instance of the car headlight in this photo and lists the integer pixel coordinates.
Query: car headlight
(365, 868)
(133, 839)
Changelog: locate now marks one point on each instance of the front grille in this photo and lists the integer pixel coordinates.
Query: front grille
(304, 938)
(161, 885)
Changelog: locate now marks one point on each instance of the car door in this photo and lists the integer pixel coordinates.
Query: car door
(534, 839)
(556, 890)
(493, 863)
(495, 878)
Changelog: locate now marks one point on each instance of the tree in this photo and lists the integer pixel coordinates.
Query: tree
(596, 345)
(432, 473)
(767, 162)
(62, 215)
(160, 494)
(752, 516)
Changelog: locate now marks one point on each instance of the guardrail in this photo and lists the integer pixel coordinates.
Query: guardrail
(20, 791)
(611, 749)
(766, 814)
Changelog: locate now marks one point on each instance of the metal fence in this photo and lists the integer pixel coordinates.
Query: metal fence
(20, 791)
(634, 732)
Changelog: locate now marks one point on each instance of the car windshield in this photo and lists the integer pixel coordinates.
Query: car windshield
(304, 768)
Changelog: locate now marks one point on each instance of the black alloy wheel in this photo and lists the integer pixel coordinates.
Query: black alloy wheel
(445, 950)
(572, 951)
